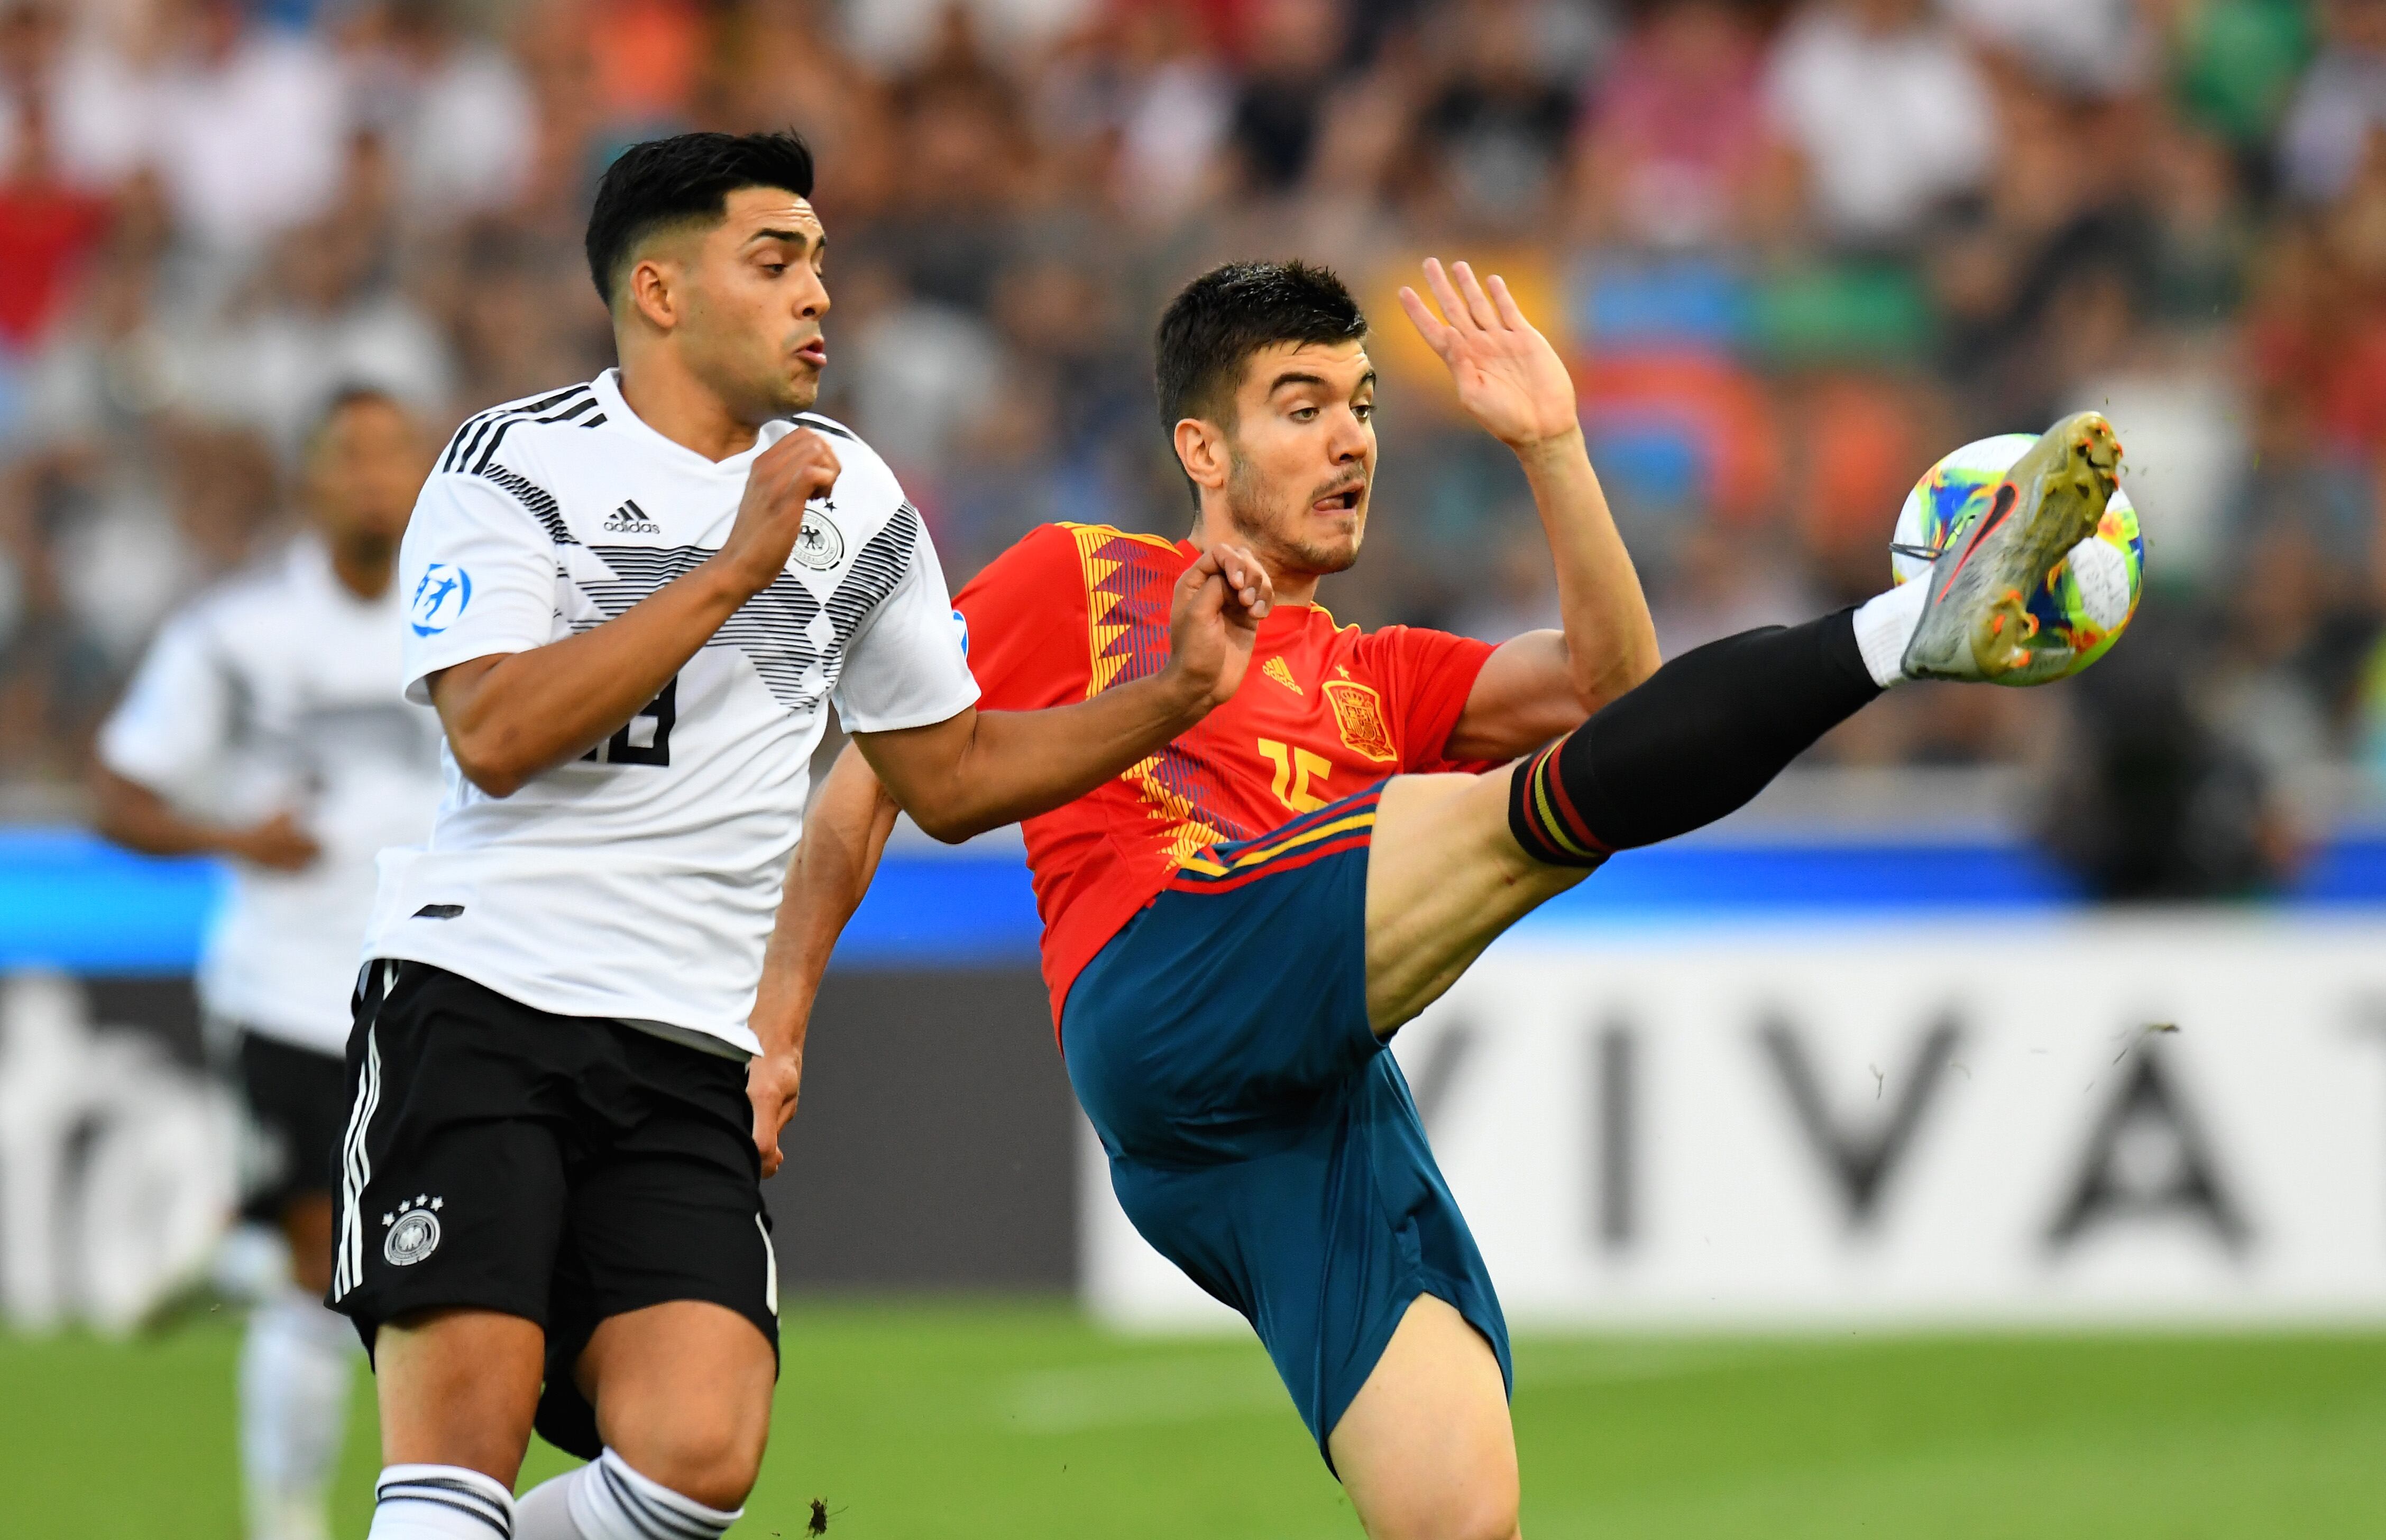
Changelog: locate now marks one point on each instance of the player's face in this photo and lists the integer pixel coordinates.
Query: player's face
(364, 470)
(1303, 456)
(756, 299)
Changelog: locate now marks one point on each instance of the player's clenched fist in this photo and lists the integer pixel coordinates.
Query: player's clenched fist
(1213, 618)
(772, 1083)
(787, 475)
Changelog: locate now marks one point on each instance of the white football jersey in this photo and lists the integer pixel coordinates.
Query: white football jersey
(640, 880)
(276, 691)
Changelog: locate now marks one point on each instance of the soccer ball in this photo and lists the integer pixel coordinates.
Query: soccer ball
(2094, 592)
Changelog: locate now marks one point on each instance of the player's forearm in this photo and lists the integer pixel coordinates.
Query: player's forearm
(1609, 641)
(1012, 765)
(130, 814)
(512, 717)
(845, 834)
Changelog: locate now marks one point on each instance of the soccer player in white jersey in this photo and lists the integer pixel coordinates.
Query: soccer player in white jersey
(265, 725)
(630, 602)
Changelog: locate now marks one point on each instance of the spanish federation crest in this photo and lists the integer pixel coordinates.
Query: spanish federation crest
(820, 545)
(1359, 713)
(413, 1231)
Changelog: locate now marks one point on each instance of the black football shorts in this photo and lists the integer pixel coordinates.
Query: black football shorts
(563, 1168)
(292, 1103)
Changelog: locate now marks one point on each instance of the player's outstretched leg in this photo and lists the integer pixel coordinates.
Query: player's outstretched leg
(1426, 1446)
(1460, 858)
(1457, 860)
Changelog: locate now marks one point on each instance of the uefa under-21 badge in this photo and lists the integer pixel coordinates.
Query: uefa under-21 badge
(819, 544)
(413, 1231)
(439, 598)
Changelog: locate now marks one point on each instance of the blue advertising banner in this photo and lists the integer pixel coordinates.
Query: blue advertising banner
(69, 901)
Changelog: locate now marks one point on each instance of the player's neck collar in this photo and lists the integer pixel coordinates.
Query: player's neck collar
(620, 414)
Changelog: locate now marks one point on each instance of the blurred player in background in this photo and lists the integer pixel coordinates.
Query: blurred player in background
(265, 726)
(632, 602)
(1236, 928)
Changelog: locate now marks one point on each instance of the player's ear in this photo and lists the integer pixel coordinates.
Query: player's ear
(651, 290)
(1201, 450)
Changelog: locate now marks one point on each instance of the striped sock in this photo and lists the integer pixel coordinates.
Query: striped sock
(440, 1502)
(1543, 818)
(606, 1500)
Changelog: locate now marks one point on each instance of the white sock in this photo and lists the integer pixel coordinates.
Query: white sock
(1885, 624)
(606, 1500)
(294, 1403)
(545, 1511)
(252, 1264)
(440, 1502)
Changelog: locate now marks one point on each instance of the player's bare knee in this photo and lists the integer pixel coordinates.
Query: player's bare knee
(1470, 1513)
(711, 1453)
(717, 1477)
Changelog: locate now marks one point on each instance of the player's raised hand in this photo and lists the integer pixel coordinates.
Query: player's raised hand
(1213, 617)
(1509, 378)
(790, 473)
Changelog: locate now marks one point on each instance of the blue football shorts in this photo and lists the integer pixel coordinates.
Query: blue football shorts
(1260, 1135)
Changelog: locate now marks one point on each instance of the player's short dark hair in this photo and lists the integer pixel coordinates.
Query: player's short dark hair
(348, 394)
(684, 180)
(1211, 328)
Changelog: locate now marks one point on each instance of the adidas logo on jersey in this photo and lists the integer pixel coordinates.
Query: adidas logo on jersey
(1279, 670)
(630, 519)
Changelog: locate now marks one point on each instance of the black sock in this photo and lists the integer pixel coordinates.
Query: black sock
(1701, 737)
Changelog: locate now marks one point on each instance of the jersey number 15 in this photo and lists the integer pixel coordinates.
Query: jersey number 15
(1297, 771)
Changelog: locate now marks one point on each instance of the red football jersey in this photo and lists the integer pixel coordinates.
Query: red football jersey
(1325, 711)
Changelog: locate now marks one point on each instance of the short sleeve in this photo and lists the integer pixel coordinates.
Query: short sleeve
(907, 666)
(1428, 675)
(174, 724)
(479, 571)
(1025, 616)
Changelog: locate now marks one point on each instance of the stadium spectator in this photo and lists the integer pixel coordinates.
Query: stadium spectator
(1500, 120)
(1176, 117)
(1674, 151)
(453, 110)
(1887, 113)
(2089, 47)
(969, 169)
(2234, 65)
(67, 97)
(2343, 104)
(247, 126)
(649, 57)
(1296, 51)
(920, 367)
(48, 217)
(786, 65)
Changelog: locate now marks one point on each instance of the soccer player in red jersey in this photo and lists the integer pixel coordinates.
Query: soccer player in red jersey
(1235, 926)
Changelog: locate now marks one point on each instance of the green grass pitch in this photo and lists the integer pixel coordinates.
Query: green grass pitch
(996, 1420)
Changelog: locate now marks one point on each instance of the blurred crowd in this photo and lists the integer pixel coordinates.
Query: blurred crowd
(1794, 248)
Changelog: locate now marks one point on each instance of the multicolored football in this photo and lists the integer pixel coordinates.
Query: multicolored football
(2090, 596)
